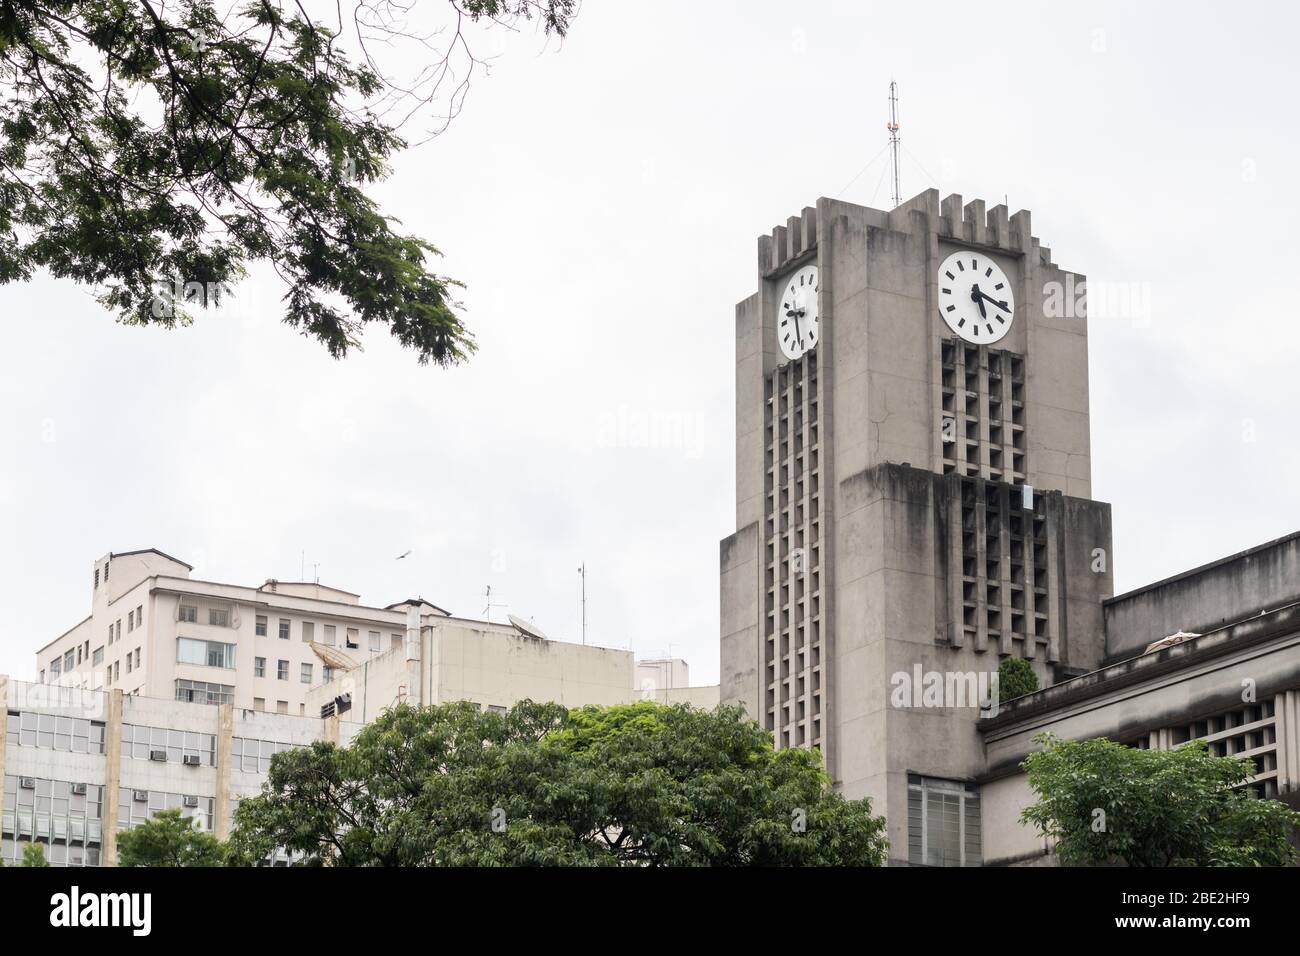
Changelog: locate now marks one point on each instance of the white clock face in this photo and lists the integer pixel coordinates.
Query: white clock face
(975, 297)
(796, 313)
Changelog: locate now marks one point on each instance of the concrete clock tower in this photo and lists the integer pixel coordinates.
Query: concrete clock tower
(912, 493)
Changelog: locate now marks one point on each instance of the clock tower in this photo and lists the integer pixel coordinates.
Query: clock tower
(912, 494)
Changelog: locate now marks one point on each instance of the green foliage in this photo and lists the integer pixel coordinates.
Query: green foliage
(168, 839)
(34, 855)
(148, 150)
(1016, 678)
(1104, 803)
(641, 784)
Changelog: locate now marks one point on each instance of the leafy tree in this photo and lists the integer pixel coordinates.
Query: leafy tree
(168, 839)
(151, 151)
(1106, 803)
(34, 855)
(1016, 678)
(642, 784)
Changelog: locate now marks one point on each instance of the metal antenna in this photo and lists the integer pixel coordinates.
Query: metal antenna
(487, 611)
(892, 126)
(582, 573)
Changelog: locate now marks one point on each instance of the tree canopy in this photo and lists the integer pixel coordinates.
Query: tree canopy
(1104, 803)
(152, 151)
(168, 839)
(640, 784)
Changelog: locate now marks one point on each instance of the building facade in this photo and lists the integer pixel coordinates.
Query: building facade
(913, 506)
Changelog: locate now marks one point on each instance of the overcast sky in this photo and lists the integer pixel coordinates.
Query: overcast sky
(601, 200)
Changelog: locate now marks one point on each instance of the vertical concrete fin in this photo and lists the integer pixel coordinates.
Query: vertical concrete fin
(766, 257)
(1022, 233)
(779, 248)
(998, 227)
(794, 237)
(926, 203)
(112, 778)
(975, 224)
(952, 215)
(225, 733)
(809, 225)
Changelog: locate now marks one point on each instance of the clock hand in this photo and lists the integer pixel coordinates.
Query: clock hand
(975, 294)
(1001, 305)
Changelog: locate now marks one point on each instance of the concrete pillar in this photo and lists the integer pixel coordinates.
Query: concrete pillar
(225, 731)
(112, 778)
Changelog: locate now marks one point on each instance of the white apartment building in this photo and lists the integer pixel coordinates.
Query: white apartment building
(153, 631)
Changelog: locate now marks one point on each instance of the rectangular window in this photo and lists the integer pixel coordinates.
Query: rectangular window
(188, 614)
(374, 642)
(259, 627)
(282, 670)
(110, 633)
(99, 656)
(130, 659)
(203, 653)
(306, 673)
(308, 632)
(284, 629)
(353, 637)
(397, 640)
(201, 692)
(327, 673)
(78, 653)
(139, 615)
(259, 703)
(137, 658)
(68, 661)
(943, 822)
(117, 630)
(130, 621)
(329, 635)
(259, 667)
(282, 707)
(218, 617)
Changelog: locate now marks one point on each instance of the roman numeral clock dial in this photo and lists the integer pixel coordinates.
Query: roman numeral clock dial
(796, 313)
(975, 297)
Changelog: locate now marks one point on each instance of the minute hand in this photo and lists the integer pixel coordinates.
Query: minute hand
(1000, 305)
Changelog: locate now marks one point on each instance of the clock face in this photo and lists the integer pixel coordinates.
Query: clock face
(975, 297)
(796, 313)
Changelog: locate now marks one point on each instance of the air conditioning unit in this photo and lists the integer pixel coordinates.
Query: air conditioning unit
(190, 801)
(159, 755)
(78, 789)
(140, 796)
(327, 710)
(27, 783)
(343, 703)
(190, 760)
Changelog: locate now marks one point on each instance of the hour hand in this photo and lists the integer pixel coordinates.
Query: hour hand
(1001, 305)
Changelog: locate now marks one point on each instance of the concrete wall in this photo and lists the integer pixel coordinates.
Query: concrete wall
(1204, 598)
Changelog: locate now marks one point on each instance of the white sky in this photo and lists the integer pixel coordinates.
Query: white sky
(601, 201)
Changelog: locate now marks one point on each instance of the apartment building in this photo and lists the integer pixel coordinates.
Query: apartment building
(154, 631)
(81, 765)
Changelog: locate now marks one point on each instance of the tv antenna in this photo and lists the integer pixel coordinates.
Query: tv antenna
(487, 611)
(892, 126)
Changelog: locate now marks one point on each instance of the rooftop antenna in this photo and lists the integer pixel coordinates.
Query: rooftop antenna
(582, 573)
(892, 126)
(487, 611)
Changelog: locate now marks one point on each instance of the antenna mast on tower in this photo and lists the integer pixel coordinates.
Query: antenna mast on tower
(892, 126)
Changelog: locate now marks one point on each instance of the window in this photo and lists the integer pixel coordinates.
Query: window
(259, 667)
(329, 635)
(354, 636)
(96, 576)
(201, 692)
(308, 632)
(132, 812)
(117, 670)
(259, 703)
(284, 629)
(68, 824)
(137, 658)
(56, 667)
(139, 615)
(397, 639)
(69, 734)
(374, 642)
(327, 673)
(254, 756)
(99, 657)
(117, 630)
(189, 614)
(259, 627)
(282, 707)
(943, 822)
(282, 670)
(110, 633)
(68, 661)
(306, 673)
(203, 653)
(130, 659)
(137, 742)
(78, 653)
(218, 617)
(496, 709)
(130, 621)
